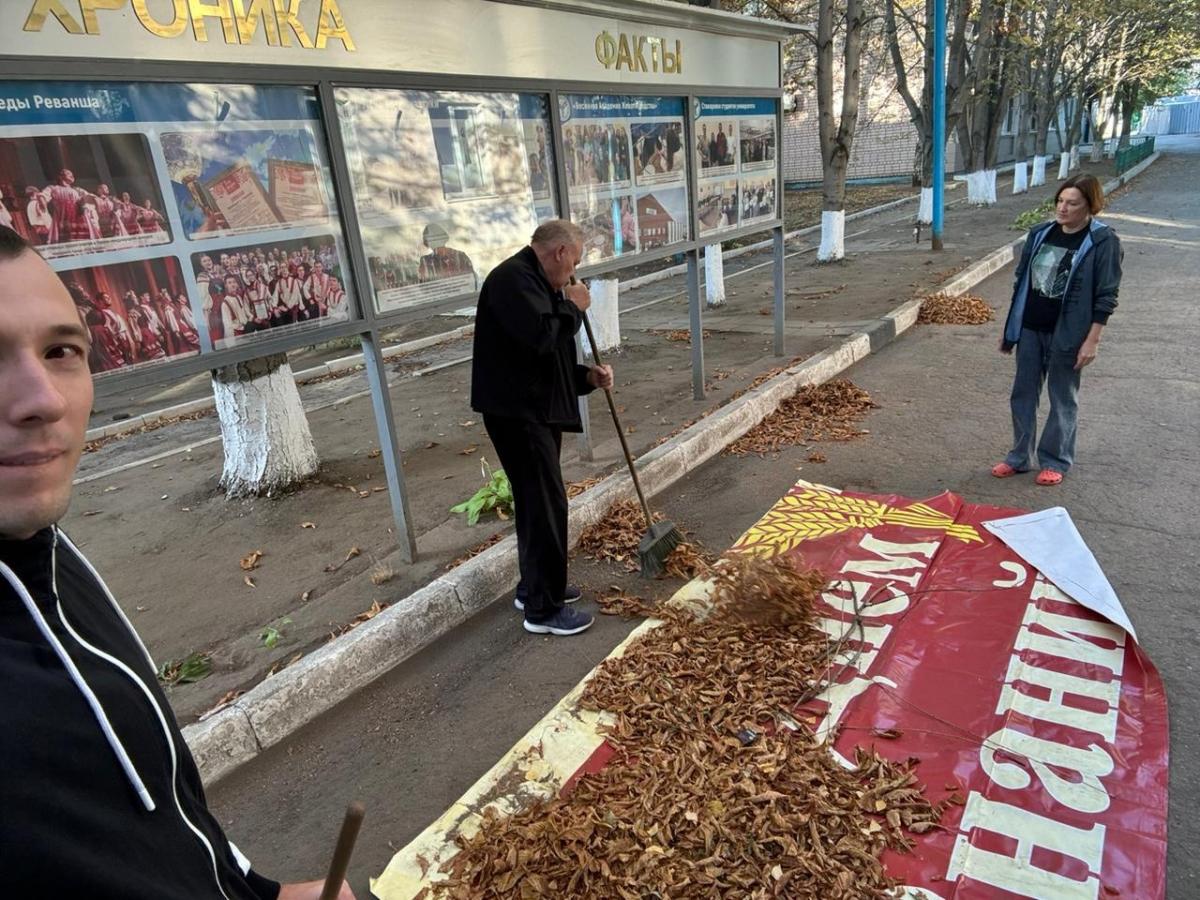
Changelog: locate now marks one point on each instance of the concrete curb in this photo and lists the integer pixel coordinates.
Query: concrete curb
(276, 708)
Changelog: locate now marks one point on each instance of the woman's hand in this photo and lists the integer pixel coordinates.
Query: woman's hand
(1087, 353)
(1089, 348)
(1005, 347)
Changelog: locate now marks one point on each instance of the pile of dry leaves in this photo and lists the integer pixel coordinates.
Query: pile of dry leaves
(965, 309)
(615, 538)
(829, 411)
(707, 794)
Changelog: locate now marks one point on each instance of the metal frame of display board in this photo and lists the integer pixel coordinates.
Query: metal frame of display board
(368, 324)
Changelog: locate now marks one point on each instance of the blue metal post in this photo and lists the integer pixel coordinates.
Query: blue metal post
(939, 118)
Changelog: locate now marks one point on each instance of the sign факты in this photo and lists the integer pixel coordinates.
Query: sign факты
(281, 20)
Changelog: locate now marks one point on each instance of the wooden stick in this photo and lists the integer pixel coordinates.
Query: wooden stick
(342, 852)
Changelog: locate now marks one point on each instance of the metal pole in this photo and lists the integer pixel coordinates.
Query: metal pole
(779, 311)
(381, 402)
(697, 326)
(586, 450)
(939, 119)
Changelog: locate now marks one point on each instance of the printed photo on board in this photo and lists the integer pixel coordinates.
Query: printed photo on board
(281, 284)
(718, 206)
(609, 224)
(411, 265)
(758, 198)
(662, 218)
(757, 140)
(597, 154)
(136, 313)
(240, 181)
(716, 147)
(81, 193)
(656, 152)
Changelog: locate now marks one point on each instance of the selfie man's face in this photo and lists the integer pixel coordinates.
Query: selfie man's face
(45, 395)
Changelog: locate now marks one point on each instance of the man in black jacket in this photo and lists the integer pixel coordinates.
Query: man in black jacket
(99, 795)
(526, 380)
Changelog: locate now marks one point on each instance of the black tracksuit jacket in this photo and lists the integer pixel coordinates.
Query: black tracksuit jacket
(99, 795)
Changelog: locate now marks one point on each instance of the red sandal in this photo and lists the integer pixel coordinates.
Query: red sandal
(1004, 470)
(1049, 478)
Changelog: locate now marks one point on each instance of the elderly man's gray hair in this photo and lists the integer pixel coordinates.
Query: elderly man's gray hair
(557, 231)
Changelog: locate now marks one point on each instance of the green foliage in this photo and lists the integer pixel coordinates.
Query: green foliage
(185, 671)
(495, 495)
(1035, 216)
(271, 635)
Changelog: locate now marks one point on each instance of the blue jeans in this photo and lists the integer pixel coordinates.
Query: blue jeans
(1038, 364)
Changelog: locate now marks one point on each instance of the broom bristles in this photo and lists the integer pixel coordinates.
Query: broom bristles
(656, 546)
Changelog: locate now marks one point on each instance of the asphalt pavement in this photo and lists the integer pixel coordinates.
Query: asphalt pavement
(413, 742)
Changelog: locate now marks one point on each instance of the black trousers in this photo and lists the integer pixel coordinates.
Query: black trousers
(529, 453)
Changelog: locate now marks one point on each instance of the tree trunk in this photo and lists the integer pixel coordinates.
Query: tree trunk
(837, 137)
(1129, 95)
(268, 445)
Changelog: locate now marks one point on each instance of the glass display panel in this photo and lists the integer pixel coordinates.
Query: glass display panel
(736, 146)
(177, 215)
(446, 183)
(626, 172)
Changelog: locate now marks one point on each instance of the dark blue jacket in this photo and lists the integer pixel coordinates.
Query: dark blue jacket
(1091, 294)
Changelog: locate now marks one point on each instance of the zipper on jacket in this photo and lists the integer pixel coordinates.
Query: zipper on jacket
(132, 676)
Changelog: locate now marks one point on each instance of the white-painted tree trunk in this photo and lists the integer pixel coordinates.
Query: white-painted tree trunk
(1097, 149)
(1020, 177)
(1074, 157)
(604, 313)
(833, 235)
(714, 276)
(1064, 164)
(981, 187)
(268, 444)
(1039, 171)
(925, 211)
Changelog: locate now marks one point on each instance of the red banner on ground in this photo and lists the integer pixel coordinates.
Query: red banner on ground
(1047, 722)
(1041, 723)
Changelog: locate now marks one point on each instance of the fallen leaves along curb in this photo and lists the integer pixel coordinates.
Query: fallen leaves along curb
(615, 538)
(965, 309)
(708, 794)
(829, 411)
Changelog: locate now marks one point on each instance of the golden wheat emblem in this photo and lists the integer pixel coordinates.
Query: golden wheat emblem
(813, 514)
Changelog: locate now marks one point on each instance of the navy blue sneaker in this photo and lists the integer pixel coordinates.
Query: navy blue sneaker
(570, 595)
(564, 622)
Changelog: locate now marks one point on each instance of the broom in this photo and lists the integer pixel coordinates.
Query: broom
(661, 537)
(341, 853)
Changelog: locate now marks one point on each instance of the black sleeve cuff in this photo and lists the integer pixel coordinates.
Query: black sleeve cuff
(581, 383)
(264, 888)
(1100, 318)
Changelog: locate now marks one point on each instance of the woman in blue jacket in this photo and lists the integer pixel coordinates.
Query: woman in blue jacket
(1065, 290)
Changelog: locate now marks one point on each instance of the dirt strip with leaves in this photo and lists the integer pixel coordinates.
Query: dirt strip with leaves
(829, 411)
(709, 792)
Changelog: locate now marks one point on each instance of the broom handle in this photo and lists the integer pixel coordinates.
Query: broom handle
(612, 408)
(341, 853)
